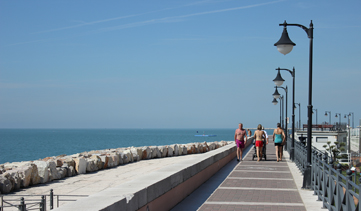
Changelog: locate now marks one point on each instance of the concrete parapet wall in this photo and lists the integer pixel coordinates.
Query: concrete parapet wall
(159, 190)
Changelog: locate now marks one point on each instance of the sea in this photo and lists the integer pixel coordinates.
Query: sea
(32, 144)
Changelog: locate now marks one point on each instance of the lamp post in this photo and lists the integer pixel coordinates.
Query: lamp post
(286, 90)
(349, 130)
(299, 114)
(329, 122)
(339, 120)
(351, 113)
(281, 110)
(277, 95)
(279, 81)
(316, 114)
(275, 103)
(284, 46)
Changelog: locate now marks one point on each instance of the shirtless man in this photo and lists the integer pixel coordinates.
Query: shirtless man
(258, 135)
(240, 141)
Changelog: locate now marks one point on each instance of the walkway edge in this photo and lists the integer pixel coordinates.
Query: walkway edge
(309, 200)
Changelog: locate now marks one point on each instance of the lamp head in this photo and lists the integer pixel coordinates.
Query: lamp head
(276, 95)
(274, 101)
(278, 80)
(284, 44)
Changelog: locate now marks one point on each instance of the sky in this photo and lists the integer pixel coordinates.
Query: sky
(173, 64)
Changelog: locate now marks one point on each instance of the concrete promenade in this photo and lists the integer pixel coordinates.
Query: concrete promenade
(251, 185)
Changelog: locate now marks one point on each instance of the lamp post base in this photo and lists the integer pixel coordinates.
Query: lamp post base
(292, 154)
(307, 178)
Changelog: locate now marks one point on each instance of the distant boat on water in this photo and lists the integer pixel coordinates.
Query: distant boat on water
(204, 135)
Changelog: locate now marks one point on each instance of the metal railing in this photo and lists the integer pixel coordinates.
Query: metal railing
(336, 190)
(34, 202)
(20, 205)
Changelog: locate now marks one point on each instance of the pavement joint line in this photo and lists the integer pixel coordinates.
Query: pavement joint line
(267, 166)
(283, 172)
(258, 178)
(255, 203)
(272, 189)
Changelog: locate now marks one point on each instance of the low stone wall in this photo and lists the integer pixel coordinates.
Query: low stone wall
(159, 190)
(14, 176)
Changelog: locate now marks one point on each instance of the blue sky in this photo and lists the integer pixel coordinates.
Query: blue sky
(172, 64)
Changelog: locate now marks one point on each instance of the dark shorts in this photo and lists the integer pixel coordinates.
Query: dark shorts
(240, 144)
(278, 144)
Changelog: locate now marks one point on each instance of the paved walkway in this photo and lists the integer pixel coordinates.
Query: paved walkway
(252, 185)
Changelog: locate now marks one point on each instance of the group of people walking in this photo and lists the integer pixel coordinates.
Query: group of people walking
(260, 136)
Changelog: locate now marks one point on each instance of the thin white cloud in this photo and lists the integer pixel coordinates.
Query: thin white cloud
(83, 23)
(153, 21)
(181, 17)
(87, 23)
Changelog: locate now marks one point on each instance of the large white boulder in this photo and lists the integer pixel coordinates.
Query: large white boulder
(129, 154)
(163, 150)
(25, 175)
(5, 183)
(146, 153)
(155, 152)
(191, 149)
(170, 151)
(80, 165)
(54, 174)
(137, 153)
(90, 165)
(105, 160)
(63, 172)
(113, 160)
(13, 176)
(43, 170)
(175, 148)
(182, 150)
(212, 146)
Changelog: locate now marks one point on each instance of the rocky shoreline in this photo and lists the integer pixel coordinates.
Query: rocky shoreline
(16, 175)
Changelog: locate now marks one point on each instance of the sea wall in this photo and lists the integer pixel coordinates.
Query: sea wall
(159, 190)
(16, 175)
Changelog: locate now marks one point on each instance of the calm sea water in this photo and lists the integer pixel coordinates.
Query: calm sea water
(33, 144)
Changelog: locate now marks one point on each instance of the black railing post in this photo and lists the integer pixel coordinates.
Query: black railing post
(339, 190)
(348, 189)
(22, 206)
(51, 199)
(331, 184)
(42, 203)
(359, 194)
(324, 182)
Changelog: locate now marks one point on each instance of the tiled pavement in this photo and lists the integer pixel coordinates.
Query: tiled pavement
(252, 185)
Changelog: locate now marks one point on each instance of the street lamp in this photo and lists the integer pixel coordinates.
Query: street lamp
(351, 113)
(275, 103)
(329, 122)
(276, 95)
(279, 81)
(349, 130)
(316, 114)
(284, 46)
(285, 118)
(299, 114)
(339, 121)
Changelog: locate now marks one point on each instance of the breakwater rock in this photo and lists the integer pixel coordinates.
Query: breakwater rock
(16, 175)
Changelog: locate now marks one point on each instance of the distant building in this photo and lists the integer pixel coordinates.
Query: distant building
(320, 138)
